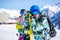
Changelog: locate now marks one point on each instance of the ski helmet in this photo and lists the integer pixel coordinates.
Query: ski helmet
(34, 9)
(22, 11)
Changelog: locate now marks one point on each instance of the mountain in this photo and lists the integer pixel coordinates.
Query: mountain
(53, 12)
(6, 14)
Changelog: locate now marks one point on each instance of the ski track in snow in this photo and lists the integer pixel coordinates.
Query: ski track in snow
(8, 32)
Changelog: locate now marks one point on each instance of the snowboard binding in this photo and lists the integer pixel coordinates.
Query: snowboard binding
(52, 33)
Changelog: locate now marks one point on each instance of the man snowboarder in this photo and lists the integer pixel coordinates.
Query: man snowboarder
(38, 25)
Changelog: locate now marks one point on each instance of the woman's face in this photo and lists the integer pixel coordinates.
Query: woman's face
(22, 14)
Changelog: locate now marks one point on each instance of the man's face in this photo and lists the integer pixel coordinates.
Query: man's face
(36, 15)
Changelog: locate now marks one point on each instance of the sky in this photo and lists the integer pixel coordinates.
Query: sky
(25, 4)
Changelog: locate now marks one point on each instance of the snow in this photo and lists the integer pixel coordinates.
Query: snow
(53, 13)
(57, 37)
(12, 13)
(52, 9)
(8, 32)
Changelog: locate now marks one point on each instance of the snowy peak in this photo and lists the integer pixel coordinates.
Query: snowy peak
(5, 14)
(12, 13)
(53, 8)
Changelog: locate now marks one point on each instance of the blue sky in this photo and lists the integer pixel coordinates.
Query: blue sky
(26, 4)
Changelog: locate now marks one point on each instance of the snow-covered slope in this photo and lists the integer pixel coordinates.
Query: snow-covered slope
(8, 32)
(57, 37)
